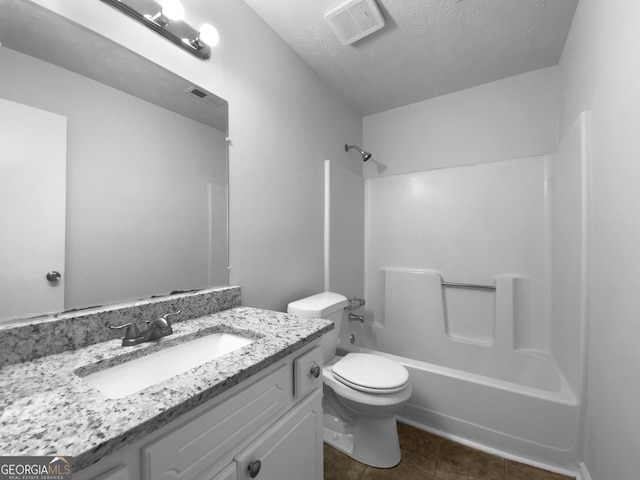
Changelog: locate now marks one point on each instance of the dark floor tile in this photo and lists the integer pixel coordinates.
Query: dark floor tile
(458, 462)
(338, 466)
(519, 471)
(419, 449)
(400, 472)
(424, 453)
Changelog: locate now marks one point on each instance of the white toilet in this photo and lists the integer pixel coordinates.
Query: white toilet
(362, 391)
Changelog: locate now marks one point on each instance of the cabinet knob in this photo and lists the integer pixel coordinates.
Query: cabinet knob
(315, 371)
(254, 468)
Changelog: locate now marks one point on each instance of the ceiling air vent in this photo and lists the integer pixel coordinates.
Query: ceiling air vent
(354, 20)
(205, 96)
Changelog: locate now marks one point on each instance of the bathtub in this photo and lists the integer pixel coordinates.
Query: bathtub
(525, 410)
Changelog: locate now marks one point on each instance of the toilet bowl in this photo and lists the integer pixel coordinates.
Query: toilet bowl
(362, 392)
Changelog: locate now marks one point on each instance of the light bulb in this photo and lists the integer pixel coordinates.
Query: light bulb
(209, 35)
(172, 9)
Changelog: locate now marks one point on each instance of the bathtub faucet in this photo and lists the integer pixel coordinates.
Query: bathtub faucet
(353, 317)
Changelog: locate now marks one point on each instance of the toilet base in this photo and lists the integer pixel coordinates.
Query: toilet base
(372, 441)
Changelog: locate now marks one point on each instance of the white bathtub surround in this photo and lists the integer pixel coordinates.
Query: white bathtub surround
(570, 249)
(417, 301)
(469, 223)
(501, 368)
(419, 324)
(598, 73)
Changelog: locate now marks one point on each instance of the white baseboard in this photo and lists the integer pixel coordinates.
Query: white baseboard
(584, 473)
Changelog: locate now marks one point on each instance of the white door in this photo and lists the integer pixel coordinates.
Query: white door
(33, 157)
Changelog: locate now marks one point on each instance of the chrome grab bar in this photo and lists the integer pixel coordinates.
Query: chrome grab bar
(469, 285)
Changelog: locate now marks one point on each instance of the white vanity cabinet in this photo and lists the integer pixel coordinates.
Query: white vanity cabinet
(271, 422)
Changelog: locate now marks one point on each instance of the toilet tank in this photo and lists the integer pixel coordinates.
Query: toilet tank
(327, 305)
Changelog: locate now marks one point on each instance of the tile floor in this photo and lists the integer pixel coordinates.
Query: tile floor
(428, 457)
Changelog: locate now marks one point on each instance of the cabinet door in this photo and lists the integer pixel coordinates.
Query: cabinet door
(121, 472)
(191, 449)
(290, 449)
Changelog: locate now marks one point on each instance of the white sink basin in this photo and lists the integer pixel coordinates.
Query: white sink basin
(135, 375)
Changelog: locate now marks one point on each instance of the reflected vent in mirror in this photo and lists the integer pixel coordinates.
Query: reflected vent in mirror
(205, 96)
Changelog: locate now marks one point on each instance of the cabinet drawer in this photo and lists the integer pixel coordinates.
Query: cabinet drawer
(305, 371)
(196, 445)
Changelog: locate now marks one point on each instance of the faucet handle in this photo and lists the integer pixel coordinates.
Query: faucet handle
(355, 303)
(163, 325)
(131, 332)
(163, 321)
(170, 315)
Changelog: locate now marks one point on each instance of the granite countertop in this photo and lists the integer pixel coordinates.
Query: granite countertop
(47, 409)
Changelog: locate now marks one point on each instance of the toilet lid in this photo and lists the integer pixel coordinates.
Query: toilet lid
(371, 373)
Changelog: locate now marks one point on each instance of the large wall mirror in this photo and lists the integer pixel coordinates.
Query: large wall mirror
(113, 171)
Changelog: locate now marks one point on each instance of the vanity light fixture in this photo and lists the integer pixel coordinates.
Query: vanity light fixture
(165, 17)
(170, 11)
(208, 36)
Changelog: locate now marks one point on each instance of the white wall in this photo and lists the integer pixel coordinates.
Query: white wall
(283, 123)
(511, 118)
(137, 174)
(600, 72)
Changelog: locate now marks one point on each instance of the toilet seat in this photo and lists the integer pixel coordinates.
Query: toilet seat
(373, 399)
(370, 373)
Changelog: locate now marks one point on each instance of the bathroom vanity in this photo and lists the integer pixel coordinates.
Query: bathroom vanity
(254, 412)
(267, 427)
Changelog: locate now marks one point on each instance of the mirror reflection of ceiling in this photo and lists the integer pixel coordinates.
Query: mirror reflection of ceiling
(29, 29)
(427, 48)
(161, 209)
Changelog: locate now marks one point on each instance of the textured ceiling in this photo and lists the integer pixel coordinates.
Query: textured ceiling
(427, 47)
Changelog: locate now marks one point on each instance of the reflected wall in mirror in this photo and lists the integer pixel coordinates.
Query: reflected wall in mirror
(146, 171)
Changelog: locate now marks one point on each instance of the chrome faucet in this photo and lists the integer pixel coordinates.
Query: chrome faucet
(354, 317)
(160, 327)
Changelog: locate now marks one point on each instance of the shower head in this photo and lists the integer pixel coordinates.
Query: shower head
(365, 155)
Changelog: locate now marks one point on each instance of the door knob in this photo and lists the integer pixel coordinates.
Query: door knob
(54, 276)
